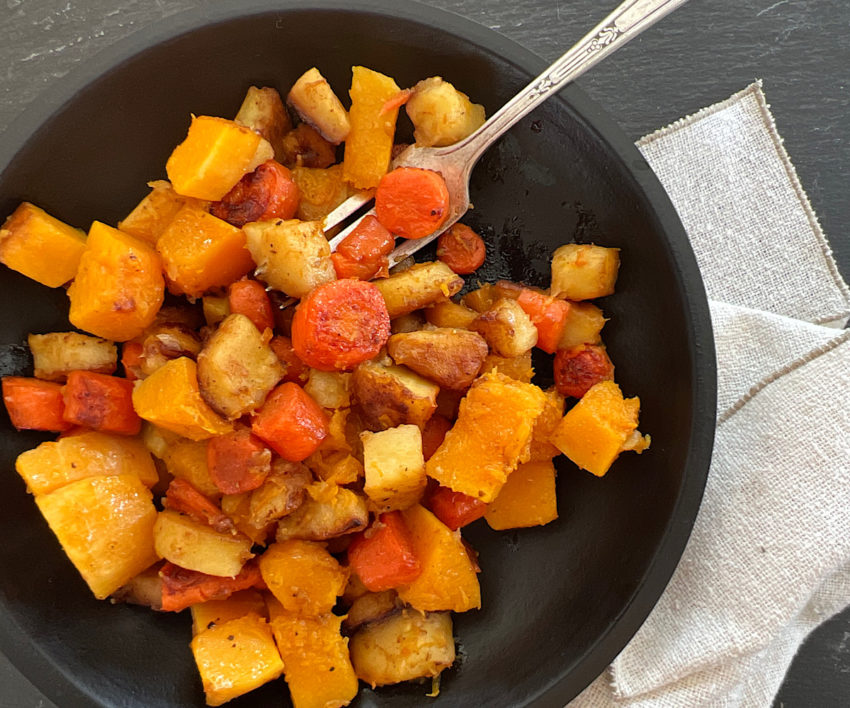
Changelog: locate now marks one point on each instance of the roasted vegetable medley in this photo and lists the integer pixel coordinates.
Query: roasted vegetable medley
(297, 477)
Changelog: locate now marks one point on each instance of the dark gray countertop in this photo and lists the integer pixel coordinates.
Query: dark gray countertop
(702, 53)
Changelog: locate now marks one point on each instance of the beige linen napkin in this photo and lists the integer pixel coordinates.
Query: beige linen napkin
(769, 557)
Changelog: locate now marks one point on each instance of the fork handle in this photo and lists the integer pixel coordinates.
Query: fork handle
(624, 23)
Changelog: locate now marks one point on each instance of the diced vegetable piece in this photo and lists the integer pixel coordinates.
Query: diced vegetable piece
(447, 580)
(182, 588)
(441, 114)
(165, 341)
(450, 314)
(263, 112)
(150, 217)
(52, 465)
(118, 288)
(395, 467)
(318, 669)
(393, 395)
(593, 432)
(363, 253)
(371, 607)
(214, 156)
(316, 103)
(455, 509)
(105, 525)
(370, 140)
(411, 322)
(507, 328)
(182, 497)
(283, 492)
(541, 449)
(481, 299)
(237, 507)
(583, 325)
(581, 367)
(461, 249)
(419, 286)
(33, 404)
(303, 576)
(584, 272)
(404, 646)
(56, 354)
(238, 462)
(322, 190)
(28, 234)
(330, 389)
(527, 499)
(304, 147)
(209, 613)
(196, 546)
(269, 192)
(433, 434)
(237, 368)
(291, 422)
(170, 398)
(449, 357)
(490, 437)
(201, 252)
(343, 512)
(158, 441)
(518, 367)
(236, 657)
(249, 298)
(339, 325)
(131, 360)
(292, 256)
(548, 315)
(216, 308)
(144, 589)
(336, 467)
(187, 459)
(412, 202)
(383, 557)
(100, 402)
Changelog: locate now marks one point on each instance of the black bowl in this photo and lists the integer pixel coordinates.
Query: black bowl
(559, 602)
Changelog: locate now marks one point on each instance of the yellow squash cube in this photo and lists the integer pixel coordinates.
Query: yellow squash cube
(527, 499)
(214, 612)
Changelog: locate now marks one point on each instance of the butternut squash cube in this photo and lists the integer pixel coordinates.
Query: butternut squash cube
(395, 467)
(149, 218)
(215, 155)
(200, 252)
(447, 580)
(518, 367)
(214, 612)
(369, 144)
(40, 246)
(583, 271)
(187, 459)
(119, 287)
(317, 666)
(490, 438)
(594, 431)
(52, 465)
(236, 657)
(527, 498)
(541, 449)
(303, 576)
(105, 525)
(170, 398)
(322, 190)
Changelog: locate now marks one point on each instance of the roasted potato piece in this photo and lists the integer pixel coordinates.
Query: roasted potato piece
(392, 395)
(583, 325)
(507, 328)
(56, 354)
(163, 342)
(145, 589)
(330, 389)
(304, 147)
(292, 256)
(342, 512)
(263, 112)
(450, 314)
(584, 272)
(284, 491)
(316, 103)
(395, 467)
(237, 368)
(441, 114)
(419, 286)
(371, 607)
(404, 646)
(518, 368)
(410, 322)
(448, 357)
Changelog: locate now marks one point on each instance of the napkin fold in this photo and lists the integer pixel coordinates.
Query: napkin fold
(769, 556)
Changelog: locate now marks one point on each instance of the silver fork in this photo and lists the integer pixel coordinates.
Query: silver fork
(455, 162)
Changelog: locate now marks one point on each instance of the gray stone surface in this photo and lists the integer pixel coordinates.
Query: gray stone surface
(702, 53)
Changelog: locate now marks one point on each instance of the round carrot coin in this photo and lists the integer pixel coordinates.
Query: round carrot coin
(461, 249)
(412, 202)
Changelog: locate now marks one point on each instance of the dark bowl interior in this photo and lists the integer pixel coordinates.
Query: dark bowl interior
(559, 602)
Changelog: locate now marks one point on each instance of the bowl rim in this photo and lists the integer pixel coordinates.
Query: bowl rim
(51, 681)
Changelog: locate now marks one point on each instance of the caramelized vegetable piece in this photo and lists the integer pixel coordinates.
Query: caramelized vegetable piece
(305, 147)
(236, 657)
(150, 217)
(182, 588)
(28, 234)
(283, 492)
(447, 580)
(433, 434)
(371, 607)
(339, 325)
(269, 192)
(549, 316)
(100, 402)
(131, 360)
(580, 368)
(170, 399)
(412, 202)
(584, 272)
(214, 157)
(450, 314)
(263, 112)
(56, 354)
(441, 114)
(315, 102)
(118, 288)
(461, 249)
(455, 509)
(33, 404)
(321, 519)
(393, 395)
(370, 140)
(383, 556)
(291, 423)
(105, 525)
(448, 357)
(395, 467)
(363, 253)
(418, 286)
(293, 368)
(249, 298)
(200, 252)
(238, 462)
(208, 613)
(182, 497)
(507, 328)
(527, 499)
